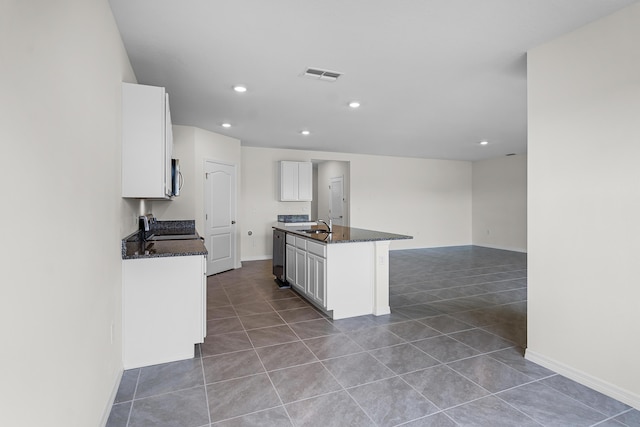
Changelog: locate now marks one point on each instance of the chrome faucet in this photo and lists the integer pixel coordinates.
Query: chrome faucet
(144, 222)
(325, 223)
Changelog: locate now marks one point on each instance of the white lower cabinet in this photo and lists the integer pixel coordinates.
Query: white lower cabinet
(164, 309)
(296, 269)
(306, 269)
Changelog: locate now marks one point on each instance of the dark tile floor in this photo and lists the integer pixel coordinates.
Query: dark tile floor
(450, 354)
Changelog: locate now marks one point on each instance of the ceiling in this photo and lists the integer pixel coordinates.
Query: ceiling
(434, 77)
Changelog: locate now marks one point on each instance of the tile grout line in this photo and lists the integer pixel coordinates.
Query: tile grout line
(573, 398)
(613, 418)
(346, 391)
(517, 409)
(133, 398)
(204, 380)
(334, 378)
(269, 376)
(441, 287)
(495, 394)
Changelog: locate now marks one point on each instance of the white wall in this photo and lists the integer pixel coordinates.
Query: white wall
(193, 146)
(62, 217)
(500, 203)
(259, 195)
(584, 204)
(428, 199)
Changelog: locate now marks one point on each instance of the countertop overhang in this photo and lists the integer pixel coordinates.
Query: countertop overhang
(342, 234)
(163, 248)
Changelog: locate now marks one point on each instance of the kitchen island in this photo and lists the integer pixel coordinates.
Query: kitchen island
(345, 273)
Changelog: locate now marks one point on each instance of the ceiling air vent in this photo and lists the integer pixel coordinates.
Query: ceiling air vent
(319, 74)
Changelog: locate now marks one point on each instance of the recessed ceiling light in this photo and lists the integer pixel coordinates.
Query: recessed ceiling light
(240, 88)
(305, 132)
(226, 125)
(484, 142)
(354, 104)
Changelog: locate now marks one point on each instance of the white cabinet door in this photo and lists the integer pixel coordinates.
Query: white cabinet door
(147, 143)
(312, 282)
(316, 283)
(301, 270)
(305, 184)
(296, 181)
(288, 181)
(290, 260)
(296, 270)
(321, 281)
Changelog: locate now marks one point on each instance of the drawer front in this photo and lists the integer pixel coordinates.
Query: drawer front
(301, 243)
(291, 239)
(317, 249)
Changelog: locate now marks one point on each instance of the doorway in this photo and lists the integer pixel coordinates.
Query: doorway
(332, 191)
(219, 215)
(336, 200)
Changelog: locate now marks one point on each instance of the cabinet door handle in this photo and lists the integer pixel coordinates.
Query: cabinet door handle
(233, 222)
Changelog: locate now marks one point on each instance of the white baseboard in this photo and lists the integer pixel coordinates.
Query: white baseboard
(112, 399)
(604, 387)
(257, 258)
(524, 251)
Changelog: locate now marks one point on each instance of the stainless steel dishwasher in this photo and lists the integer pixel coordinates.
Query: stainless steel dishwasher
(279, 258)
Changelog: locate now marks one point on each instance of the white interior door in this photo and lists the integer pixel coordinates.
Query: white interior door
(220, 216)
(336, 200)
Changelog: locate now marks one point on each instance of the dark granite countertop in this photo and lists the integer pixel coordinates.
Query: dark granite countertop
(163, 248)
(135, 248)
(342, 234)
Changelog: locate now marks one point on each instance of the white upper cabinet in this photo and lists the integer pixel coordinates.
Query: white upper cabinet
(147, 142)
(296, 181)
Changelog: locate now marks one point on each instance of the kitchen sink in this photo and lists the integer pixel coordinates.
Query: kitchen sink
(314, 231)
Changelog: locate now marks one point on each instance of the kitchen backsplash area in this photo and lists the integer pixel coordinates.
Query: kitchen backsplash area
(293, 218)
